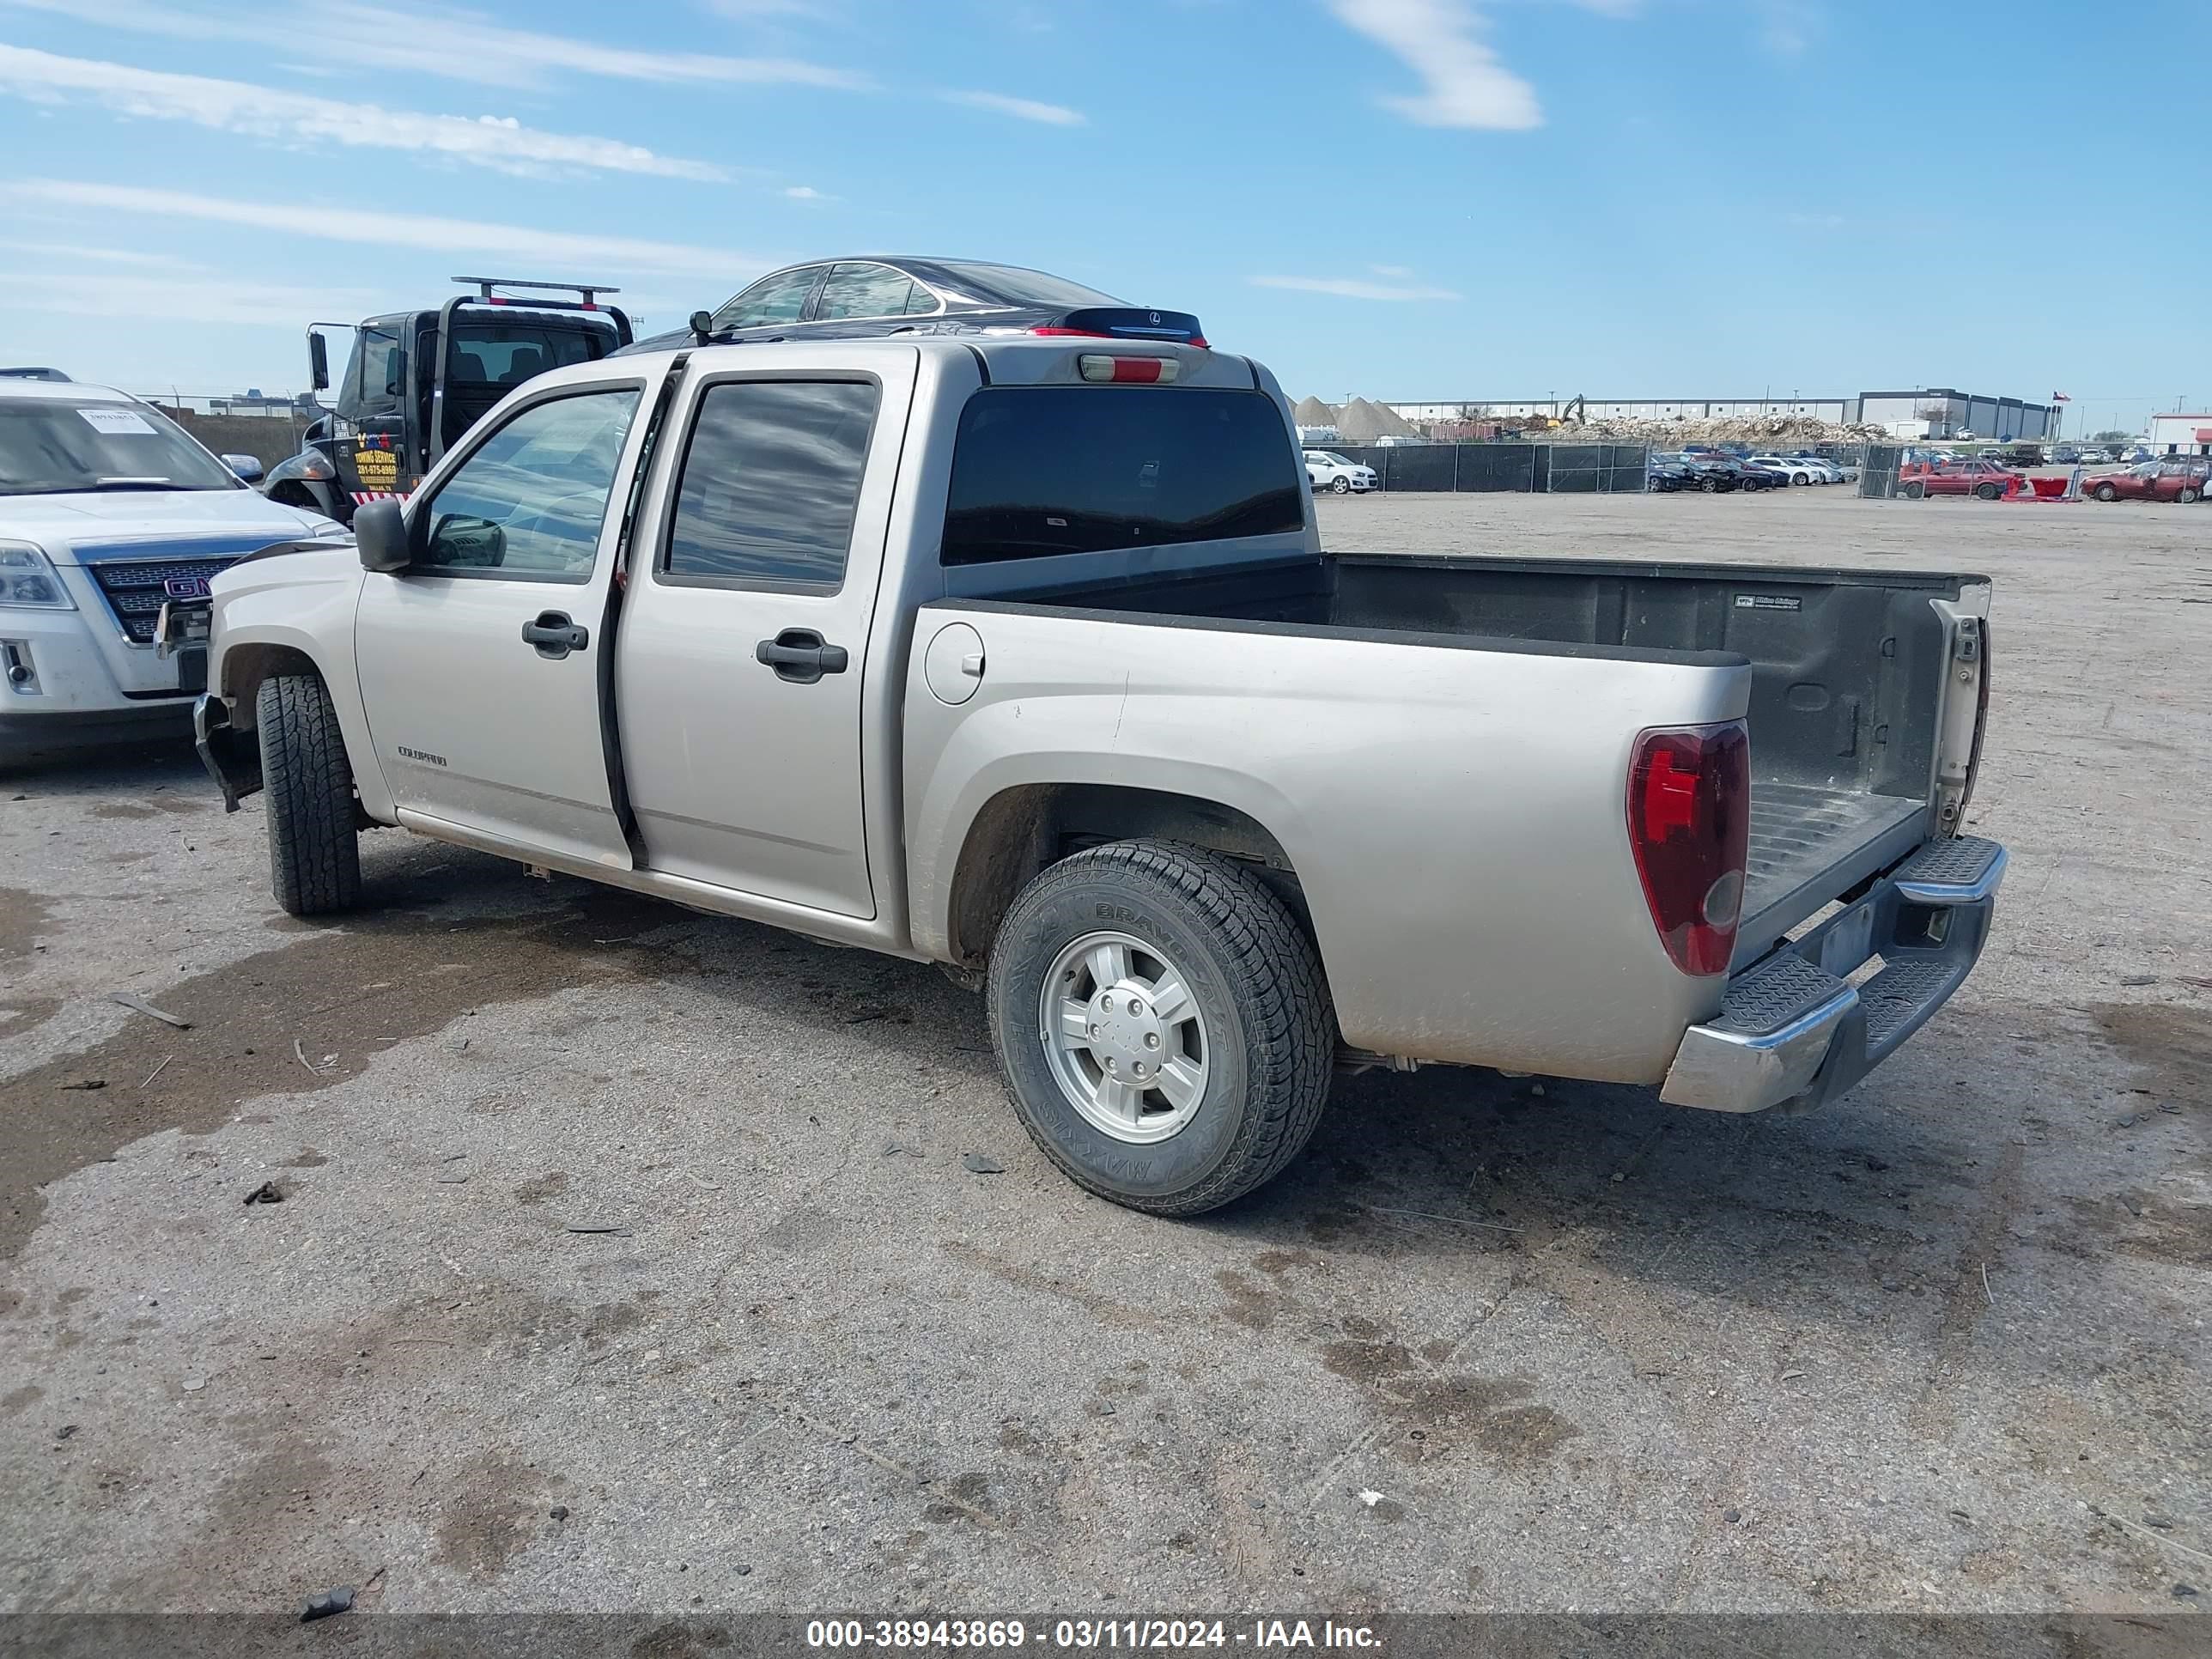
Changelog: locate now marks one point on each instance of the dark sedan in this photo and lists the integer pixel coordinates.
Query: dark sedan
(892, 294)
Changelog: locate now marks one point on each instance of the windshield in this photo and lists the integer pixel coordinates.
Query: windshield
(52, 444)
(1024, 287)
(1328, 456)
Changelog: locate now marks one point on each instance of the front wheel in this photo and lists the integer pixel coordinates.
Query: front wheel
(2106, 493)
(1913, 492)
(314, 850)
(1163, 1023)
(1342, 486)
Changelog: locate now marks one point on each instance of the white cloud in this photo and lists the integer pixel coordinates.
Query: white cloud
(265, 112)
(104, 294)
(457, 45)
(1025, 109)
(1353, 287)
(596, 256)
(807, 193)
(1464, 84)
(114, 256)
(1392, 270)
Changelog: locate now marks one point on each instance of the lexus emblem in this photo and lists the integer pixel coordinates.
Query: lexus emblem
(1156, 319)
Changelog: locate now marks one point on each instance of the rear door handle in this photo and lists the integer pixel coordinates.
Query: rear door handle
(555, 635)
(799, 655)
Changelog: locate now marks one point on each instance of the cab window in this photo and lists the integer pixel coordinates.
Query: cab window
(528, 503)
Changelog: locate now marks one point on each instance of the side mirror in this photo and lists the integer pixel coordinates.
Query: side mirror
(247, 468)
(318, 361)
(703, 326)
(380, 534)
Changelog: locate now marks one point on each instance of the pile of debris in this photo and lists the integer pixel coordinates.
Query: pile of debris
(1765, 430)
(1356, 422)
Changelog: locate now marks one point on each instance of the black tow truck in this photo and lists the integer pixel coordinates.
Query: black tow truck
(415, 381)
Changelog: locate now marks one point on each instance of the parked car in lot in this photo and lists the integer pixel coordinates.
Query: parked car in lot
(1669, 473)
(1327, 470)
(1792, 469)
(870, 297)
(1983, 479)
(2066, 455)
(1824, 470)
(1057, 687)
(1714, 474)
(2180, 478)
(1749, 476)
(108, 511)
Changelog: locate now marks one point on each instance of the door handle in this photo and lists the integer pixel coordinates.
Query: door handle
(555, 635)
(798, 654)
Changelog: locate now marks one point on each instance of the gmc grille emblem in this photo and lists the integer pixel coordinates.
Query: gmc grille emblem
(185, 587)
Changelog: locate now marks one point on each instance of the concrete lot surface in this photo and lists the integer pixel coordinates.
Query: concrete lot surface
(1941, 1346)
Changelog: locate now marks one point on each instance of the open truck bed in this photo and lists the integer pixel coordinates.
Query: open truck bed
(1849, 669)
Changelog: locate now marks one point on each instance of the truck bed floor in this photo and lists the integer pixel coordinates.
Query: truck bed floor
(1808, 844)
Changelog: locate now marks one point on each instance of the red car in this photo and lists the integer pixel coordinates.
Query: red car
(1968, 477)
(2183, 479)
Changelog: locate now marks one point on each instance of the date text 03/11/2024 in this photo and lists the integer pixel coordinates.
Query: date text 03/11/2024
(1088, 1633)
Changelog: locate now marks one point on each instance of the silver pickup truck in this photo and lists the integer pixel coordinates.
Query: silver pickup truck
(1022, 655)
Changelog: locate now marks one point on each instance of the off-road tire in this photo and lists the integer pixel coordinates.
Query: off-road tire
(1270, 1030)
(314, 850)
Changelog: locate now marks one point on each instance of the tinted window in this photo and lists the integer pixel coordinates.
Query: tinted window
(529, 500)
(777, 298)
(771, 482)
(1044, 470)
(507, 354)
(1018, 287)
(864, 291)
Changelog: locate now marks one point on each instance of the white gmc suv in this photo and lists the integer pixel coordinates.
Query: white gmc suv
(108, 510)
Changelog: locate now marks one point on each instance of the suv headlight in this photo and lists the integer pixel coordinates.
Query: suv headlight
(28, 578)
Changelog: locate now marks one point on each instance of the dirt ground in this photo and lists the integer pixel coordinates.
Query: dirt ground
(1941, 1346)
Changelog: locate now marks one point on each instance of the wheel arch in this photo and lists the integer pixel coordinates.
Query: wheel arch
(1026, 828)
(245, 666)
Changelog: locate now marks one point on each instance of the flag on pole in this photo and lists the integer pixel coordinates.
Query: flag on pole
(2060, 397)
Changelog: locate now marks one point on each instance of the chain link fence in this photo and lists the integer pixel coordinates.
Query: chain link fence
(1526, 468)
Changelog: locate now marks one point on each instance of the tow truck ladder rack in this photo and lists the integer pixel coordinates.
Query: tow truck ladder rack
(588, 292)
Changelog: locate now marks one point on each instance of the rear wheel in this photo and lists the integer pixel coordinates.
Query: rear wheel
(314, 850)
(2187, 496)
(1988, 492)
(1162, 1022)
(1913, 491)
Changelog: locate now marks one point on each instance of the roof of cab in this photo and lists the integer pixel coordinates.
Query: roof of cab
(1022, 359)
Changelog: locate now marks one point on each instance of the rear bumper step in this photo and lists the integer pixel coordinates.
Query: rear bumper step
(1793, 1028)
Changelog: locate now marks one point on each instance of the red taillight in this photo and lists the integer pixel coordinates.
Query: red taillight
(1689, 825)
(1199, 340)
(1074, 333)
(1126, 371)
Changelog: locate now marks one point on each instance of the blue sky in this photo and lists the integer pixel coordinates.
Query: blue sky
(1403, 198)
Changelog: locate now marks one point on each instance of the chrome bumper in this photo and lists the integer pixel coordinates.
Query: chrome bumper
(1792, 1029)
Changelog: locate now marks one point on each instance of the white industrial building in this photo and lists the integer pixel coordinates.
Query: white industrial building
(2181, 434)
(1947, 413)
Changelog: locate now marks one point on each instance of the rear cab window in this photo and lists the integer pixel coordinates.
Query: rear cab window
(1039, 472)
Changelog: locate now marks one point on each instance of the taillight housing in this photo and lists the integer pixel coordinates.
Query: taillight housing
(1689, 826)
